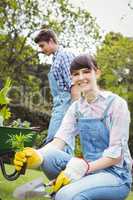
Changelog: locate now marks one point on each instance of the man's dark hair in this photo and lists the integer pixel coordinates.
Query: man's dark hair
(46, 35)
(83, 61)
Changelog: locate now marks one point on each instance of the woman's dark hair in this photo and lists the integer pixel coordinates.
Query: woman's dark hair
(46, 35)
(83, 61)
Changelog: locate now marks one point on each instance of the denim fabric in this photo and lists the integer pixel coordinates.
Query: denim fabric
(61, 102)
(101, 185)
(98, 186)
(94, 137)
(117, 120)
(112, 183)
(54, 162)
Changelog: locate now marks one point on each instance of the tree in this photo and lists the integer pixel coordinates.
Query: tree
(76, 27)
(20, 19)
(115, 56)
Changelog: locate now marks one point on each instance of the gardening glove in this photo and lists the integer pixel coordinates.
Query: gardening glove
(61, 180)
(75, 169)
(30, 156)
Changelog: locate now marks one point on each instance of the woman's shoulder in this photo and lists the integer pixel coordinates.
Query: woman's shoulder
(118, 101)
(109, 95)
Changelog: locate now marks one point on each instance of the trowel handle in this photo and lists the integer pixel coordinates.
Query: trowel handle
(23, 170)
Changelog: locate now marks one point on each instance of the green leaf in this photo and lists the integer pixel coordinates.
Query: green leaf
(17, 141)
(5, 113)
(4, 91)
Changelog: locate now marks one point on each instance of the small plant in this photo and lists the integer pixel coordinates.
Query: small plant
(18, 141)
(18, 123)
(26, 124)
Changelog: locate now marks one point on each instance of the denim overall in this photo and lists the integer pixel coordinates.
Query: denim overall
(61, 102)
(94, 138)
(109, 184)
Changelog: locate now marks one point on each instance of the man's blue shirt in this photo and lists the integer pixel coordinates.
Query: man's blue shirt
(61, 68)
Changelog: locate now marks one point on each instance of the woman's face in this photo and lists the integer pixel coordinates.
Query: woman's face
(86, 79)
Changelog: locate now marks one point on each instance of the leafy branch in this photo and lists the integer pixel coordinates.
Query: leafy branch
(4, 101)
(19, 124)
(17, 141)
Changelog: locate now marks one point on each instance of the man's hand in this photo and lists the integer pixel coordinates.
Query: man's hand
(28, 155)
(61, 180)
(75, 92)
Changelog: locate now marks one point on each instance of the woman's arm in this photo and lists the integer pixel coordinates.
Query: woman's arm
(56, 143)
(119, 133)
(103, 163)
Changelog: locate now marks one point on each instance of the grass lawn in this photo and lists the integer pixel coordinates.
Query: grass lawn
(7, 187)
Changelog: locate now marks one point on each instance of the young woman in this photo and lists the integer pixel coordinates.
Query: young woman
(101, 118)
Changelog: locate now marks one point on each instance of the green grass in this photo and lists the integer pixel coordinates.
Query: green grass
(130, 196)
(7, 187)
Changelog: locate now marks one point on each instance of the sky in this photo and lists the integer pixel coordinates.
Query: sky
(111, 15)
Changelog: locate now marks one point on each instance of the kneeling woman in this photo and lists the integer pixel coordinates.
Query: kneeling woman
(101, 118)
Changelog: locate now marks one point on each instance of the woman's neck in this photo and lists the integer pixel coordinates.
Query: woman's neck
(91, 95)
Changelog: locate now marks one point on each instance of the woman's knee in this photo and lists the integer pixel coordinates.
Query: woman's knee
(67, 195)
(47, 165)
(63, 194)
(54, 161)
(104, 193)
(81, 196)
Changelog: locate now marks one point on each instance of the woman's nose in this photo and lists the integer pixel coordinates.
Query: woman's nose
(80, 76)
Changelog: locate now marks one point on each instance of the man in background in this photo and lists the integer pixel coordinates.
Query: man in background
(62, 90)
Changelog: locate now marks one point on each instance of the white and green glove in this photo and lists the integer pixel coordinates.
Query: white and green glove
(75, 169)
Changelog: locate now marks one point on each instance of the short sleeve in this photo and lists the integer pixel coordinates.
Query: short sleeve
(65, 63)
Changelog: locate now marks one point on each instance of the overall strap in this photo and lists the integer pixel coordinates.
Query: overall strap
(78, 113)
(108, 106)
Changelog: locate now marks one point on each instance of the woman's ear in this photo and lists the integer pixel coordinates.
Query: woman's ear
(98, 73)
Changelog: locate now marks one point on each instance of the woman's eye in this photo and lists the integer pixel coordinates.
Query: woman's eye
(87, 71)
(75, 74)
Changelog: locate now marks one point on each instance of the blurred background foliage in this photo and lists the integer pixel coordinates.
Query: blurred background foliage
(76, 29)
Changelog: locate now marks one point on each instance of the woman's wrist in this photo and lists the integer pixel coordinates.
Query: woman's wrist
(88, 166)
